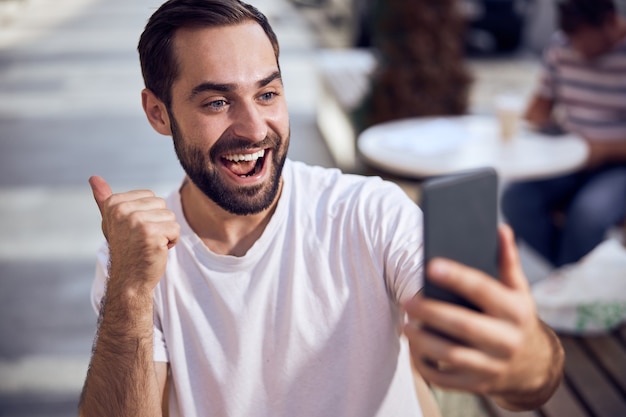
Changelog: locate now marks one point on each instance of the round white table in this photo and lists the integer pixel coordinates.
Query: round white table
(423, 147)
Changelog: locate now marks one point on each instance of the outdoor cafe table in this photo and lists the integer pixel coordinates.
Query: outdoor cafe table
(424, 147)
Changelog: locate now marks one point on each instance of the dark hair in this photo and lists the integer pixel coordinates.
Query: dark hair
(158, 62)
(575, 14)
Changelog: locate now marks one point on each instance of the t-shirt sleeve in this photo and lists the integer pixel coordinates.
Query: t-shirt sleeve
(396, 226)
(405, 261)
(98, 287)
(98, 290)
(159, 346)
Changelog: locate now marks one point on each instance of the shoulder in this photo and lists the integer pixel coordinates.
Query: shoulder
(557, 47)
(329, 193)
(319, 182)
(559, 40)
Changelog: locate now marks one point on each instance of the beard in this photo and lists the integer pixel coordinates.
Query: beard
(201, 168)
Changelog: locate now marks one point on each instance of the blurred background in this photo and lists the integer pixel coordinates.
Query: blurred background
(70, 108)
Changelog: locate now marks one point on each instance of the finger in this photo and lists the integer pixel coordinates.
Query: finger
(154, 215)
(469, 283)
(164, 221)
(485, 292)
(173, 234)
(169, 231)
(442, 375)
(491, 335)
(511, 273)
(447, 364)
(100, 189)
(135, 202)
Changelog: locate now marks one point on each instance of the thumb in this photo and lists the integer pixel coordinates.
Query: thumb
(101, 190)
(511, 272)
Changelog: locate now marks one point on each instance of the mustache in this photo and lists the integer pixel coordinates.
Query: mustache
(234, 144)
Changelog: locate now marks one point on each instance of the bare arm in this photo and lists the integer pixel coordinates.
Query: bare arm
(164, 381)
(123, 379)
(540, 114)
(539, 111)
(505, 351)
(606, 152)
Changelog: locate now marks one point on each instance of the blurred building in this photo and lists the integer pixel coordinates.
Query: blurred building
(493, 26)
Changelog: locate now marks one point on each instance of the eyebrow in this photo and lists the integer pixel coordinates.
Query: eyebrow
(228, 87)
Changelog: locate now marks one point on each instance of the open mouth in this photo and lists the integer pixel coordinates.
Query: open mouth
(245, 165)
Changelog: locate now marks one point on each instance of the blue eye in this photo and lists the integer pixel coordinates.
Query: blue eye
(217, 104)
(268, 96)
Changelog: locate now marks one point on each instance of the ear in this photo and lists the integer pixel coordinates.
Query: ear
(156, 112)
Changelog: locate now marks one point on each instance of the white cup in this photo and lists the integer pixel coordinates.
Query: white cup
(509, 109)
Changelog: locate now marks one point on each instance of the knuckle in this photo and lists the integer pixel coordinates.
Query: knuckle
(113, 200)
(508, 349)
(512, 344)
(527, 313)
(136, 220)
(465, 327)
(491, 379)
(170, 216)
(152, 202)
(120, 210)
(482, 388)
(149, 230)
(454, 355)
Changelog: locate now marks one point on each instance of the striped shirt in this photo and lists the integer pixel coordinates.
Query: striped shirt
(590, 94)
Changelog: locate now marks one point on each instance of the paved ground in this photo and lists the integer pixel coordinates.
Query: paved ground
(69, 108)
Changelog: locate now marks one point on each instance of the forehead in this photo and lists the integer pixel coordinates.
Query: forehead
(229, 54)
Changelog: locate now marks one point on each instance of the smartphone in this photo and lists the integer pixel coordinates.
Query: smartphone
(461, 223)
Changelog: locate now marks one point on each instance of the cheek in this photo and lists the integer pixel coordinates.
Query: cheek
(202, 133)
(279, 119)
(594, 50)
(590, 45)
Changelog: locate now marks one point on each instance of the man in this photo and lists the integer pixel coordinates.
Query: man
(582, 88)
(265, 287)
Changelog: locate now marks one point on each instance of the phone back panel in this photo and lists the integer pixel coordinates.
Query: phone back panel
(460, 223)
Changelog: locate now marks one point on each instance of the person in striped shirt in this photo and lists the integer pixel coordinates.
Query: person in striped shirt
(582, 89)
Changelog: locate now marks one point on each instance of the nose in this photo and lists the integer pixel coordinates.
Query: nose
(249, 123)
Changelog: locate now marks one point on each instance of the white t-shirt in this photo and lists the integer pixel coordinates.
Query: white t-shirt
(308, 322)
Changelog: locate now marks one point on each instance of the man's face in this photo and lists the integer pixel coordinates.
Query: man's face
(592, 42)
(229, 116)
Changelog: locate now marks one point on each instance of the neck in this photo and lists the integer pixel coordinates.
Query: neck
(222, 232)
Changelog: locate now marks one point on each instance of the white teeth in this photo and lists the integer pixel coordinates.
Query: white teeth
(245, 157)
